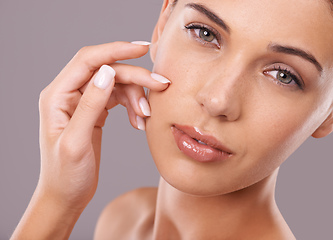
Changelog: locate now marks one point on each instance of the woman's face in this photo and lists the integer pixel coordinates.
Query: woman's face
(255, 75)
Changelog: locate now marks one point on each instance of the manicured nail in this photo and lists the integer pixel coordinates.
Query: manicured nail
(144, 106)
(141, 123)
(144, 43)
(104, 77)
(160, 78)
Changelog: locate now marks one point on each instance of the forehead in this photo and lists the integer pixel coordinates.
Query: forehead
(307, 24)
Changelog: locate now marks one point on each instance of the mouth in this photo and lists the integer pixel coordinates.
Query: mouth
(198, 146)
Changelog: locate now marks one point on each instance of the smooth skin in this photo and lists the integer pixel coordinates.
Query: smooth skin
(243, 106)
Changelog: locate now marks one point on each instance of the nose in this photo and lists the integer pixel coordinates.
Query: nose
(222, 95)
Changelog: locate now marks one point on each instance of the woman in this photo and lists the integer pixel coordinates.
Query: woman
(237, 87)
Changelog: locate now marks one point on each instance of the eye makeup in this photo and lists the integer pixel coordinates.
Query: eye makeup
(285, 76)
(204, 34)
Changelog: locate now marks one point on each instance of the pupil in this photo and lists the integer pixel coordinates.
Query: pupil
(284, 77)
(206, 35)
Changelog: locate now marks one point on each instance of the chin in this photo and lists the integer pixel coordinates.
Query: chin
(187, 175)
(201, 185)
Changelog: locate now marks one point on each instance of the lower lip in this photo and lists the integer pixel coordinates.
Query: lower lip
(197, 151)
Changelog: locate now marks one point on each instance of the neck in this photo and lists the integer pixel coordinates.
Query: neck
(229, 216)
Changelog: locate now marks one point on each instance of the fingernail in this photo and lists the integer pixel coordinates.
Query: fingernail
(104, 77)
(160, 78)
(144, 43)
(141, 123)
(144, 106)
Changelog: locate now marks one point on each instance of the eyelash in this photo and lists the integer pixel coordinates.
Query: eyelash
(295, 79)
(192, 27)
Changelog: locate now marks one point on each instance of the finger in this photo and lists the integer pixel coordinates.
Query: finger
(102, 118)
(114, 98)
(89, 59)
(128, 74)
(91, 105)
(130, 94)
(138, 101)
(135, 120)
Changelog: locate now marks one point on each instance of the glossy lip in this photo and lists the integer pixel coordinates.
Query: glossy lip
(211, 152)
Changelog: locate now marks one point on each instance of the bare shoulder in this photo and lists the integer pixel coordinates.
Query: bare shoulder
(130, 216)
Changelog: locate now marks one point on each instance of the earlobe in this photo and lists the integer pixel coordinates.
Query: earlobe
(164, 16)
(325, 128)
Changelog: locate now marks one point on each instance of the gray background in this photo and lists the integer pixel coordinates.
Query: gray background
(37, 39)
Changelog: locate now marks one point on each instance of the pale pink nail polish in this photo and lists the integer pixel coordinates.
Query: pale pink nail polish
(144, 106)
(140, 123)
(143, 43)
(160, 78)
(104, 77)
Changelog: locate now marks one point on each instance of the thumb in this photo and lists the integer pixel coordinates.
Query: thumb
(92, 104)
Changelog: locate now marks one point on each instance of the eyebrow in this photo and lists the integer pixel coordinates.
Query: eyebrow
(297, 52)
(210, 14)
(273, 47)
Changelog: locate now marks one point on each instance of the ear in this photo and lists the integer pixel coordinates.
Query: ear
(325, 128)
(164, 16)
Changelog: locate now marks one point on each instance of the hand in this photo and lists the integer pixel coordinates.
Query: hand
(71, 122)
(73, 110)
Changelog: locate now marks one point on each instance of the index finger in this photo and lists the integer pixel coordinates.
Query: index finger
(89, 59)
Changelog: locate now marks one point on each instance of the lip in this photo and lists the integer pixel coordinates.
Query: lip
(210, 150)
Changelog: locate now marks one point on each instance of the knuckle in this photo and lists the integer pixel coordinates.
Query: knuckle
(83, 52)
(65, 146)
(47, 98)
(44, 92)
(43, 97)
(69, 148)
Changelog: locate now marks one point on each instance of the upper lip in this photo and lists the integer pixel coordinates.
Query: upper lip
(195, 133)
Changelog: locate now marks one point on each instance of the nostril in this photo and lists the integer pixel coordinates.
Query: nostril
(219, 101)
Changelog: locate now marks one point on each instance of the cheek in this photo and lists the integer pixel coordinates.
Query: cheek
(179, 58)
(276, 127)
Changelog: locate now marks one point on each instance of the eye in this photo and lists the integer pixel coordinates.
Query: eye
(285, 77)
(282, 76)
(204, 34)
